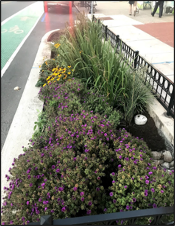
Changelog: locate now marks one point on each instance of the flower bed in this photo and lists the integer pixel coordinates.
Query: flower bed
(77, 162)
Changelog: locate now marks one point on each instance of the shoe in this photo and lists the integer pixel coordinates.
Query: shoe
(159, 16)
(130, 14)
(152, 14)
(134, 13)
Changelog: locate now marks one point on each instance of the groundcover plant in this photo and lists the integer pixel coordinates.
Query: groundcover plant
(80, 166)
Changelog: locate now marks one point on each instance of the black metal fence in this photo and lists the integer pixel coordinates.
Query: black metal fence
(112, 218)
(162, 87)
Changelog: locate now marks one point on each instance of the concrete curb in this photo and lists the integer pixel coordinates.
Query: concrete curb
(163, 123)
(21, 129)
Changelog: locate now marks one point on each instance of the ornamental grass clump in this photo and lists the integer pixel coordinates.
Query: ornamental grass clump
(98, 65)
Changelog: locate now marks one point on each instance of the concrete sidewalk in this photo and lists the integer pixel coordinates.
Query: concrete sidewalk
(135, 32)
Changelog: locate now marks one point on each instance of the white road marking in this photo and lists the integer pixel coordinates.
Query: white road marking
(20, 45)
(3, 22)
(17, 49)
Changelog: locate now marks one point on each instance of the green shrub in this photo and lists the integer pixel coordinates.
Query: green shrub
(71, 155)
(72, 97)
(138, 184)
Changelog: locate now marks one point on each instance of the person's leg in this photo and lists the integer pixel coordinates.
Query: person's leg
(155, 8)
(130, 12)
(161, 9)
(134, 7)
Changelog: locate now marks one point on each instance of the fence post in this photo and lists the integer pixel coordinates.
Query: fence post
(135, 59)
(46, 220)
(106, 27)
(93, 17)
(171, 102)
(117, 40)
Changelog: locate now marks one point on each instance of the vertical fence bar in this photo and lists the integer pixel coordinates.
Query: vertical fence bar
(135, 59)
(117, 41)
(171, 102)
(106, 27)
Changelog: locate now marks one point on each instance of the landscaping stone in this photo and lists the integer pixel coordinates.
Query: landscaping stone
(172, 164)
(167, 156)
(156, 155)
(158, 162)
(171, 168)
(165, 165)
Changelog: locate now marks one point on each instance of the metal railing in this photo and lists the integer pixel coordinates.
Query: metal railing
(162, 87)
(112, 218)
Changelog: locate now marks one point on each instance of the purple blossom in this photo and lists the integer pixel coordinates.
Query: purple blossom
(97, 189)
(81, 193)
(113, 181)
(53, 166)
(154, 205)
(152, 189)
(119, 166)
(57, 170)
(75, 188)
(147, 181)
(111, 193)
(27, 202)
(82, 199)
(60, 189)
(162, 191)
(150, 173)
(113, 174)
(146, 193)
(63, 209)
(134, 199)
(127, 207)
(125, 186)
(114, 200)
(31, 185)
(89, 203)
(89, 212)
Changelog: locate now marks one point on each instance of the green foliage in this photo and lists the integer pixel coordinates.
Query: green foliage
(77, 163)
(97, 64)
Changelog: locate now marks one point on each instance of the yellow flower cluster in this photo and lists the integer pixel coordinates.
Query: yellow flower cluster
(57, 45)
(58, 72)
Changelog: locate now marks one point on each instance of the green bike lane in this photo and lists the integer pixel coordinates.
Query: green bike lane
(17, 29)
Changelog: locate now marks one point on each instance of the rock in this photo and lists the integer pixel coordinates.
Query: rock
(167, 156)
(172, 168)
(172, 164)
(166, 165)
(156, 155)
(158, 162)
(140, 119)
(17, 88)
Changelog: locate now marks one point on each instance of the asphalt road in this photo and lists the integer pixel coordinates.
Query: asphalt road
(8, 8)
(18, 71)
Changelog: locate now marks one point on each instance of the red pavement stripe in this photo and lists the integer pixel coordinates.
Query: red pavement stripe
(162, 31)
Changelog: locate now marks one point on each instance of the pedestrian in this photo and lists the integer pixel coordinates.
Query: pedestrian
(160, 4)
(132, 5)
